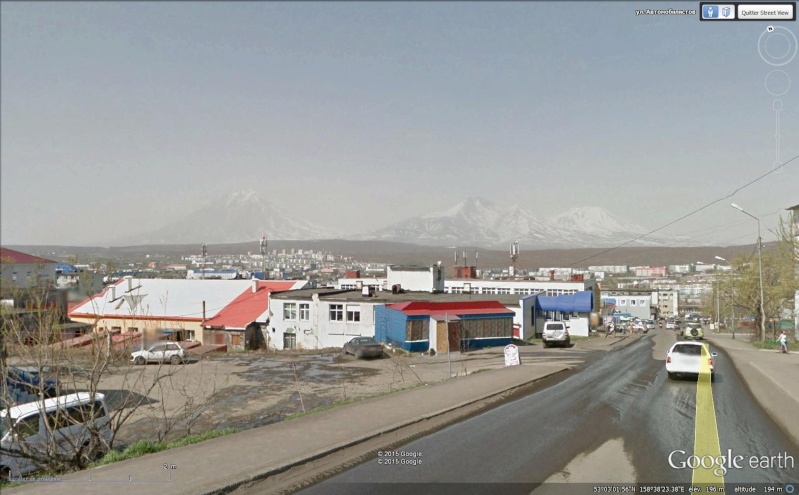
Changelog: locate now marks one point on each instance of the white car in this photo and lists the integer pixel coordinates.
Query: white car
(555, 332)
(685, 358)
(161, 352)
(650, 324)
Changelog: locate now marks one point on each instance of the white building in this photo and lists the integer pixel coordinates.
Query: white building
(617, 269)
(517, 287)
(326, 318)
(667, 303)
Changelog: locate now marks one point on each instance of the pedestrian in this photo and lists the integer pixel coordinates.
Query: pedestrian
(611, 329)
(783, 340)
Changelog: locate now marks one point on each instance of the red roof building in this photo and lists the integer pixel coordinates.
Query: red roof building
(8, 256)
(248, 307)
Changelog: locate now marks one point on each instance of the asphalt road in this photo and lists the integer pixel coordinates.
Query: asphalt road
(618, 420)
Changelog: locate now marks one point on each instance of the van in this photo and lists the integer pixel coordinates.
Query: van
(74, 424)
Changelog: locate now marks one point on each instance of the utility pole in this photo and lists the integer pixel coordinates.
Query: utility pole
(263, 255)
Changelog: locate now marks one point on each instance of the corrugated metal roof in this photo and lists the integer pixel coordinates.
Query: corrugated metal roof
(19, 257)
(249, 306)
(421, 308)
(164, 298)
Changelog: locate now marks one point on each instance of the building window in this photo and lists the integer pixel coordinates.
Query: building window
(133, 329)
(289, 341)
(417, 330)
(336, 312)
(305, 311)
(189, 334)
(289, 311)
(482, 328)
(503, 290)
(632, 302)
(622, 302)
(116, 329)
(353, 313)
(642, 302)
(235, 339)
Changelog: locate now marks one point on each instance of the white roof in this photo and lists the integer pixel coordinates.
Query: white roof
(166, 298)
(62, 401)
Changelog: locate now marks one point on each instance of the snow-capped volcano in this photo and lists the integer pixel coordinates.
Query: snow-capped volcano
(239, 217)
(595, 220)
(480, 222)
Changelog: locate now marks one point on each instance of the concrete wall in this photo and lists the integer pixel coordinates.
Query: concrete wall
(24, 275)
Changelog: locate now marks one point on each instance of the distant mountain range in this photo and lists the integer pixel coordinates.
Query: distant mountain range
(240, 217)
(245, 216)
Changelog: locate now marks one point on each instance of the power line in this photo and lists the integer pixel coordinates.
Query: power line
(688, 214)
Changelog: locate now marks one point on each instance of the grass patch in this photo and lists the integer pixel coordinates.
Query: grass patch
(773, 344)
(139, 449)
(577, 338)
(143, 447)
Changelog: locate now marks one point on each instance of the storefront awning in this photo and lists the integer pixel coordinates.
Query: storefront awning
(579, 302)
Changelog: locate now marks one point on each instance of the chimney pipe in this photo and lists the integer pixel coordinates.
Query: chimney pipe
(254, 286)
(203, 313)
(113, 292)
(551, 275)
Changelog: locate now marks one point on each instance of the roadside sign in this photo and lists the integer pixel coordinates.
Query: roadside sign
(511, 355)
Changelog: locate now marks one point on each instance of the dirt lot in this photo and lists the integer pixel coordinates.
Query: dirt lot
(247, 390)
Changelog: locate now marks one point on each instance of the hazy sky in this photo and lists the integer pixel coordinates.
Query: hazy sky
(118, 117)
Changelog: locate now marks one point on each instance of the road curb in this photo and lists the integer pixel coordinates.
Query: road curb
(338, 447)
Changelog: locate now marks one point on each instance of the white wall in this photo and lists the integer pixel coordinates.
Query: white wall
(318, 331)
(429, 280)
(578, 327)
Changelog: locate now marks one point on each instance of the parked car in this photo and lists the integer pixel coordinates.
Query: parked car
(76, 421)
(685, 358)
(555, 332)
(361, 347)
(693, 331)
(22, 385)
(161, 352)
(650, 324)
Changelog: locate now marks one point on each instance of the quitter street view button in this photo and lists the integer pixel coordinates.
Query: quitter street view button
(767, 12)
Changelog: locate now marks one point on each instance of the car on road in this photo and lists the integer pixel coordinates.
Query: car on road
(693, 331)
(555, 332)
(669, 324)
(686, 358)
(162, 352)
(362, 347)
(650, 324)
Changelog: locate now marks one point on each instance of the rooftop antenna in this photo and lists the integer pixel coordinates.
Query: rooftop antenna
(205, 253)
(456, 257)
(262, 245)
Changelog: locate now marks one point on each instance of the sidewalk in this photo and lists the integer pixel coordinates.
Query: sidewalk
(227, 462)
(769, 375)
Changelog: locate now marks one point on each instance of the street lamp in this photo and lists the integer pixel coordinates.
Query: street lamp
(760, 269)
(732, 297)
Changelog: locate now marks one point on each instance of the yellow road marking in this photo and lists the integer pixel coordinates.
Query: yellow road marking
(706, 433)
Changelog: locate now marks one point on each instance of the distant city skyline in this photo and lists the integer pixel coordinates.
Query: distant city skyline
(120, 118)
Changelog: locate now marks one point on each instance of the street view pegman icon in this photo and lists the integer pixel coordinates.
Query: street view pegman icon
(710, 12)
